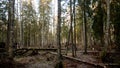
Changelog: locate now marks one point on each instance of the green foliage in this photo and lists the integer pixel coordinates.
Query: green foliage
(115, 15)
(3, 10)
(3, 19)
(29, 20)
(98, 22)
(64, 32)
(87, 7)
(45, 9)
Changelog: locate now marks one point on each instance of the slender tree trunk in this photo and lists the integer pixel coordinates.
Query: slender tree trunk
(71, 27)
(8, 28)
(59, 30)
(107, 38)
(28, 44)
(21, 27)
(10, 34)
(85, 28)
(74, 27)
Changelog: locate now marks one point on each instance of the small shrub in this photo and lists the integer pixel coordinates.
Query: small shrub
(59, 65)
(103, 56)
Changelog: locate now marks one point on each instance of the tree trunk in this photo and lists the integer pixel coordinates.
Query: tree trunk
(74, 18)
(21, 27)
(107, 38)
(59, 30)
(71, 27)
(10, 33)
(85, 28)
(107, 26)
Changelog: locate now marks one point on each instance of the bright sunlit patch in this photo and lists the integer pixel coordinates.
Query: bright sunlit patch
(24, 0)
(27, 0)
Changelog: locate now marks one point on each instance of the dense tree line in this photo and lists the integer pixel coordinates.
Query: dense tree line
(81, 24)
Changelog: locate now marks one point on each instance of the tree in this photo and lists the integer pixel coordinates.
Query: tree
(98, 23)
(44, 19)
(29, 24)
(59, 31)
(115, 14)
(74, 20)
(85, 27)
(107, 36)
(10, 27)
(71, 27)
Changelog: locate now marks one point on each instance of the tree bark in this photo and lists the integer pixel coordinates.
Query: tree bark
(107, 32)
(10, 28)
(85, 28)
(59, 30)
(74, 19)
(71, 26)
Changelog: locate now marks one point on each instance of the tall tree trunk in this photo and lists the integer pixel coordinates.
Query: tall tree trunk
(107, 26)
(10, 33)
(28, 41)
(74, 27)
(107, 38)
(71, 26)
(59, 30)
(21, 27)
(85, 28)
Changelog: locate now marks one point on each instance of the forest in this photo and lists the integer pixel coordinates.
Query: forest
(59, 33)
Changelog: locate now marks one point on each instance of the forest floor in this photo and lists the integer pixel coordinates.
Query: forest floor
(90, 58)
(46, 60)
(43, 60)
(35, 62)
(49, 61)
